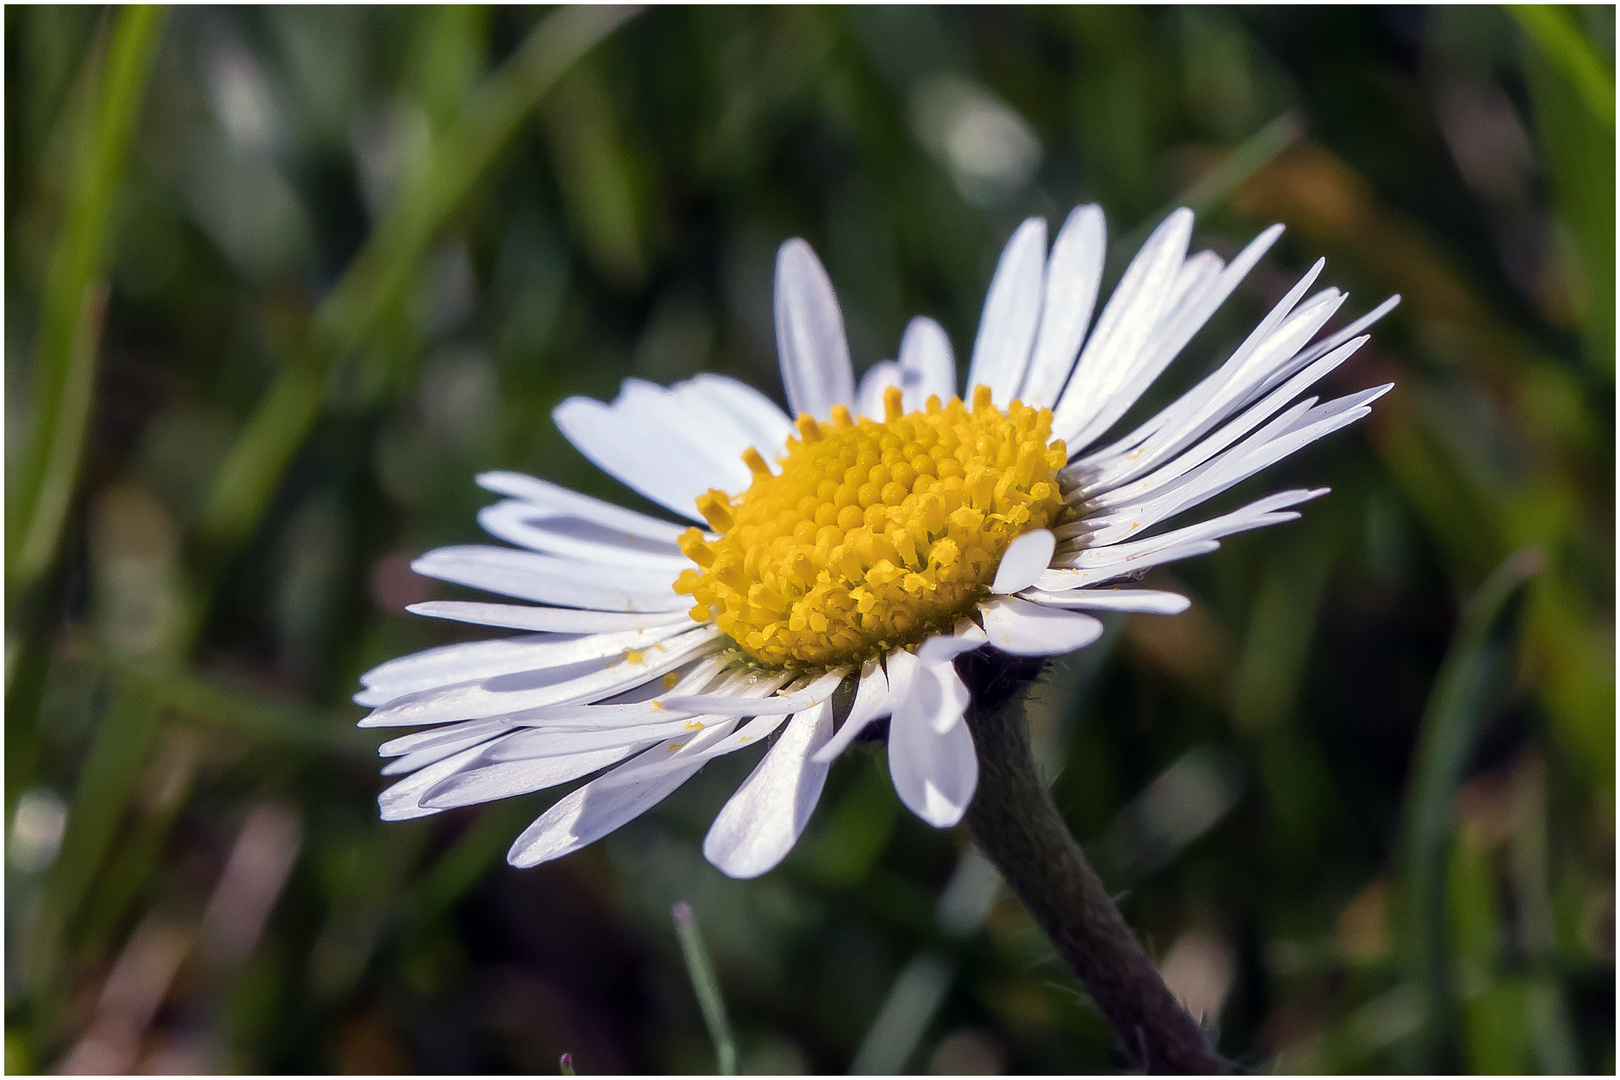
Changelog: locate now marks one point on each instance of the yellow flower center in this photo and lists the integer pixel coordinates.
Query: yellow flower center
(874, 535)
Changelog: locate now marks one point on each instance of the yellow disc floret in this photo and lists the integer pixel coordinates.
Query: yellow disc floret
(873, 535)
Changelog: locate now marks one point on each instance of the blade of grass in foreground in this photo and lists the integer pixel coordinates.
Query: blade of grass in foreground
(1472, 679)
(1554, 30)
(389, 259)
(75, 297)
(706, 986)
(111, 771)
(1215, 186)
(1572, 103)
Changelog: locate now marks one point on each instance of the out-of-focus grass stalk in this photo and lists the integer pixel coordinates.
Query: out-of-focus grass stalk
(452, 874)
(389, 260)
(244, 715)
(1251, 155)
(706, 986)
(1475, 672)
(917, 993)
(117, 756)
(1572, 102)
(1217, 185)
(594, 175)
(75, 297)
(73, 302)
(1554, 30)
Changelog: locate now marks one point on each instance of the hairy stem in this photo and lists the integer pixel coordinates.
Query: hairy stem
(1020, 829)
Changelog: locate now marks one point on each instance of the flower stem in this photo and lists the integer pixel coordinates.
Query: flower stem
(1020, 829)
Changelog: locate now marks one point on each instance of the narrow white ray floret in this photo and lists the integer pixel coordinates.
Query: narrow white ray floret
(845, 555)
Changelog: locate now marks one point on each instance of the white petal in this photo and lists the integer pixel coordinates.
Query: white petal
(765, 424)
(700, 737)
(1012, 312)
(546, 619)
(1228, 281)
(1167, 494)
(529, 575)
(927, 365)
(760, 823)
(1025, 559)
(721, 739)
(401, 801)
(1301, 424)
(504, 779)
(871, 703)
(1025, 629)
(620, 714)
(810, 334)
(931, 757)
(1204, 301)
(1365, 322)
(465, 662)
(689, 420)
(942, 647)
(1127, 322)
(900, 667)
(572, 504)
(1072, 275)
(1280, 352)
(1062, 578)
(1088, 566)
(449, 734)
(1334, 340)
(1198, 280)
(1205, 295)
(731, 705)
(1128, 483)
(478, 702)
(529, 743)
(723, 420)
(437, 744)
(1175, 418)
(590, 812)
(542, 529)
(1146, 601)
(1260, 512)
(638, 458)
(1257, 453)
(878, 378)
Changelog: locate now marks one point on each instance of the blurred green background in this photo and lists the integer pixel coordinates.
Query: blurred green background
(279, 282)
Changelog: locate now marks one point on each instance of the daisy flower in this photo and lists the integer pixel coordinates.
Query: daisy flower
(838, 562)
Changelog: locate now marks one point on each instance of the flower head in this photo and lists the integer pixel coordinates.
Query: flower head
(866, 544)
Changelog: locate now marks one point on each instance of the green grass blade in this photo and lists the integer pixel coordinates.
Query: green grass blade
(263, 723)
(390, 258)
(453, 874)
(1554, 30)
(75, 297)
(916, 996)
(106, 783)
(706, 986)
(1577, 139)
(1472, 679)
(1252, 155)
(1217, 185)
